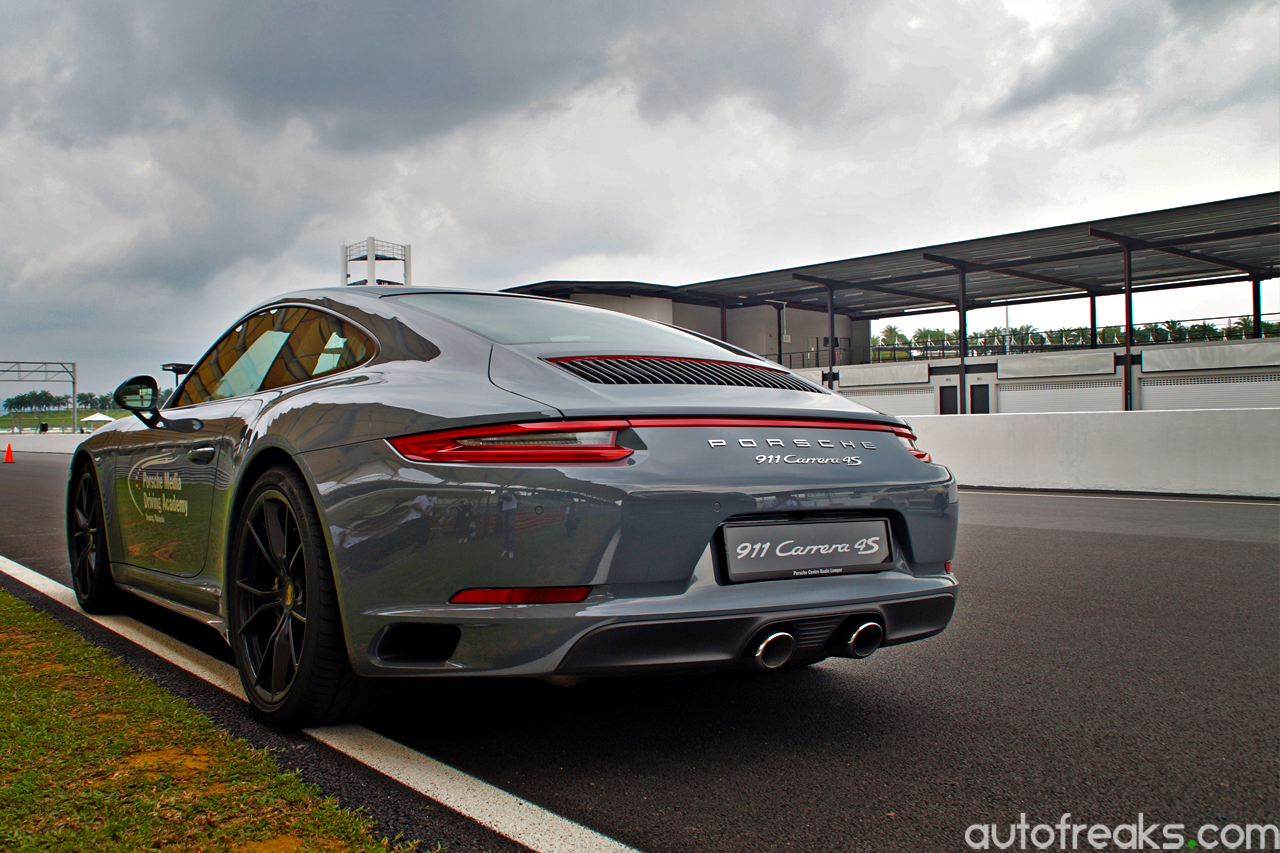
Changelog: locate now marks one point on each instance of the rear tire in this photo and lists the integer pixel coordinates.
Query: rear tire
(91, 579)
(284, 621)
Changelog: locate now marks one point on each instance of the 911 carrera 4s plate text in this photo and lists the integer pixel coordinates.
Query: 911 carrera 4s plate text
(757, 552)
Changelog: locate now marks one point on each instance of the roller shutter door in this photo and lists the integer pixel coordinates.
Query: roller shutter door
(896, 401)
(1257, 391)
(1088, 395)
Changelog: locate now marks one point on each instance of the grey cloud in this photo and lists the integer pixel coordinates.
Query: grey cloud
(374, 75)
(523, 235)
(366, 78)
(1211, 11)
(692, 55)
(1100, 57)
(1111, 49)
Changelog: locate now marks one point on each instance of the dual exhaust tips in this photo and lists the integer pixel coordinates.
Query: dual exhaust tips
(776, 649)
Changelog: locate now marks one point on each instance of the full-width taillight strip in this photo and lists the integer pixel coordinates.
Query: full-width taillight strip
(769, 422)
(581, 442)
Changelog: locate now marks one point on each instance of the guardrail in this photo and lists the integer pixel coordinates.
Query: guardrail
(1030, 340)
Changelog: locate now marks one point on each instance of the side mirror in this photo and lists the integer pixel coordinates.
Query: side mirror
(139, 394)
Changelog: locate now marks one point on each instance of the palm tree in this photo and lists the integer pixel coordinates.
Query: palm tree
(1156, 332)
(1204, 332)
(16, 405)
(1241, 328)
(1177, 331)
(993, 336)
(891, 336)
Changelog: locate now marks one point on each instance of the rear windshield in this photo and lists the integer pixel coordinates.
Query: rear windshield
(517, 320)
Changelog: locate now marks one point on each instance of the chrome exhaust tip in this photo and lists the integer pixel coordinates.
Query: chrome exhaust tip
(774, 651)
(863, 642)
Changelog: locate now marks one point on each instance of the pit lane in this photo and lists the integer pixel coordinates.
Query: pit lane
(1110, 655)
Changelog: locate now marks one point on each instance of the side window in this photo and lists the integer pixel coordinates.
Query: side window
(237, 365)
(320, 344)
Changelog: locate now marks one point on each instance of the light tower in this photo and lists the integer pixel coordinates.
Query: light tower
(372, 251)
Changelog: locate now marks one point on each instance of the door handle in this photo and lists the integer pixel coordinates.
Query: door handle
(202, 455)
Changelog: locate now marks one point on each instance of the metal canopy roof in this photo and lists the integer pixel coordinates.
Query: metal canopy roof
(1222, 241)
(1233, 240)
(565, 289)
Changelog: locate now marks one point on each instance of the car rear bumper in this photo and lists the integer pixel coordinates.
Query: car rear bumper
(729, 641)
(707, 626)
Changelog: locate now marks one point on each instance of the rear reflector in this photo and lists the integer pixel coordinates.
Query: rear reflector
(947, 567)
(523, 595)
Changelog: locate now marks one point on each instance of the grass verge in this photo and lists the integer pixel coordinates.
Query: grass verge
(56, 419)
(95, 757)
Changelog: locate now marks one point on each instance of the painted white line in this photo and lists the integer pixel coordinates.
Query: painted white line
(210, 669)
(507, 815)
(520, 820)
(1117, 498)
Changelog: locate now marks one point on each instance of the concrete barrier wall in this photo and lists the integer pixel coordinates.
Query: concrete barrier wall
(53, 442)
(1206, 452)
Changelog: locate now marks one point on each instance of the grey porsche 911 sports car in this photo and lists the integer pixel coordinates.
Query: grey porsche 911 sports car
(385, 481)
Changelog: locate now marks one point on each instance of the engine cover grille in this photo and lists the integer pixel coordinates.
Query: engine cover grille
(659, 370)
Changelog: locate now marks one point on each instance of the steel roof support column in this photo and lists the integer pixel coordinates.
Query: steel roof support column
(778, 311)
(831, 336)
(963, 307)
(1127, 246)
(1128, 328)
(1257, 308)
(1093, 322)
(724, 321)
(371, 250)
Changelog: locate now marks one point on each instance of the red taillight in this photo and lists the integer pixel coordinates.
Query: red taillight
(947, 568)
(908, 438)
(550, 443)
(584, 442)
(523, 595)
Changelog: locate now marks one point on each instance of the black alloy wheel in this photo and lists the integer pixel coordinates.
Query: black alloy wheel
(87, 546)
(286, 631)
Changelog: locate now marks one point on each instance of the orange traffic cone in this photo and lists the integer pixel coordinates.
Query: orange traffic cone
(8, 453)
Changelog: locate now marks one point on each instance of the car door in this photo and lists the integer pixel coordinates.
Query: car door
(169, 476)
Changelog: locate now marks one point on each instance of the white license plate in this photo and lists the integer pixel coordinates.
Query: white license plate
(757, 552)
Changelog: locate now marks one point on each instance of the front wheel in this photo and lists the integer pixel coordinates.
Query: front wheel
(284, 621)
(95, 591)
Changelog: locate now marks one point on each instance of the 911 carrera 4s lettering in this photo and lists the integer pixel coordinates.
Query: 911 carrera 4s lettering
(869, 545)
(769, 459)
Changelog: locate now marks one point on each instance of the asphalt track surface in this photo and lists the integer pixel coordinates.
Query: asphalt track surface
(1109, 657)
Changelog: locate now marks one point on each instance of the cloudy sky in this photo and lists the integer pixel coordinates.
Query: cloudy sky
(165, 166)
